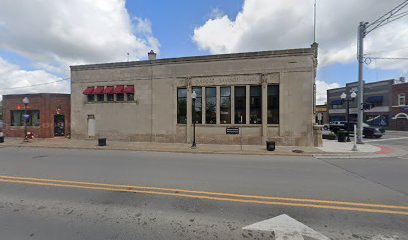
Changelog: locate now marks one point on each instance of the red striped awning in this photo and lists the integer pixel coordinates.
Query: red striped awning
(88, 91)
(99, 90)
(119, 89)
(108, 90)
(130, 89)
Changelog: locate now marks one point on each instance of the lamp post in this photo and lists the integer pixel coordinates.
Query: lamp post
(193, 97)
(343, 97)
(26, 101)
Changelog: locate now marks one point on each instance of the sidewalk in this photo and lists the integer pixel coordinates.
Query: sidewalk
(329, 147)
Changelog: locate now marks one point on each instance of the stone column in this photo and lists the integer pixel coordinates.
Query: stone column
(189, 111)
(247, 104)
(232, 104)
(203, 105)
(218, 104)
(264, 108)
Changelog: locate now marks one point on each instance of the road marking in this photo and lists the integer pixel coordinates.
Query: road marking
(176, 190)
(369, 210)
(285, 227)
(385, 139)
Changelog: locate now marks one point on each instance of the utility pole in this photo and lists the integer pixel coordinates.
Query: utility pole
(363, 29)
(360, 99)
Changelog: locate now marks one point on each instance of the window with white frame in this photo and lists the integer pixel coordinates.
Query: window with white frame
(401, 99)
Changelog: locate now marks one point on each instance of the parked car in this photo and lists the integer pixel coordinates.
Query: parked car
(335, 126)
(368, 131)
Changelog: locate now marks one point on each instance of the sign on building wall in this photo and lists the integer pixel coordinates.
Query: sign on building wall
(232, 130)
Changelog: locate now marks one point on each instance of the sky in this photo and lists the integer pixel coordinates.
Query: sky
(40, 39)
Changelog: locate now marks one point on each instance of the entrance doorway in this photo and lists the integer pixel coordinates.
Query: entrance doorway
(91, 126)
(59, 125)
(402, 124)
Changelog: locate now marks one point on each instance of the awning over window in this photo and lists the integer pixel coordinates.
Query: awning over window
(119, 89)
(130, 89)
(336, 102)
(375, 99)
(108, 90)
(99, 90)
(88, 91)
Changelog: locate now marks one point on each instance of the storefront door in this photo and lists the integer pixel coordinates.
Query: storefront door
(91, 126)
(402, 124)
(59, 125)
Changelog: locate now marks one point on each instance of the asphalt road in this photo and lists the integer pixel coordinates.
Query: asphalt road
(48, 209)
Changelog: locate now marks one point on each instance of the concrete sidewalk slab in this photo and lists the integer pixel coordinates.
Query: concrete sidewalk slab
(329, 148)
(161, 147)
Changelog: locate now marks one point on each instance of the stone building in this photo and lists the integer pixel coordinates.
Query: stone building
(48, 115)
(268, 95)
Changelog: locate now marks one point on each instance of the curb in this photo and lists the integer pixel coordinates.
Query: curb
(196, 151)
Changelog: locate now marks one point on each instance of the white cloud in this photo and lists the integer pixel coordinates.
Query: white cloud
(56, 34)
(14, 80)
(263, 25)
(321, 90)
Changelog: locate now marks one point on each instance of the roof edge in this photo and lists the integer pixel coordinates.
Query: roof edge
(216, 57)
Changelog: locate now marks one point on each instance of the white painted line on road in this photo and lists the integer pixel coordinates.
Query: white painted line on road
(285, 227)
(386, 139)
(382, 237)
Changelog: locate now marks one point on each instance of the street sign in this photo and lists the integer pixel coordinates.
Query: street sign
(232, 130)
(26, 116)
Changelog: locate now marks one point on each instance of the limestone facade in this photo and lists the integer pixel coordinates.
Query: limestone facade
(156, 112)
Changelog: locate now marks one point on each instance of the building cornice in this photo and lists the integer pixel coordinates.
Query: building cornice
(218, 57)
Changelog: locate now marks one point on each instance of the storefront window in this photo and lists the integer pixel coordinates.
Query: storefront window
(240, 104)
(110, 97)
(255, 104)
(210, 105)
(225, 105)
(197, 112)
(17, 118)
(273, 104)
(100, 97)
(130, 96)
(120, 97)
(90, 98)
(182, 105)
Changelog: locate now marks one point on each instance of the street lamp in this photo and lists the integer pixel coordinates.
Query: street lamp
(26, 101)
(193, 97)
(343, 97)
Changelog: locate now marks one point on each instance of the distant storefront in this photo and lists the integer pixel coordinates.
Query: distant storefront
(46, 115)
(399, 109)
(384, 106)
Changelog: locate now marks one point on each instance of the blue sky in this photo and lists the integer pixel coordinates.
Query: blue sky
(37, 47)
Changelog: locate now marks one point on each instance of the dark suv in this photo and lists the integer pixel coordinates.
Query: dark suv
(368, 131)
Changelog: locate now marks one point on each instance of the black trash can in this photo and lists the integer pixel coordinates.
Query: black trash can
(1, 139)
(270, 145)
(102, 142)
(341, 136)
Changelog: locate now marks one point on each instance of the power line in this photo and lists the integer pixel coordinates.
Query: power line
(388, 17)
(39, 84)
(389, 58)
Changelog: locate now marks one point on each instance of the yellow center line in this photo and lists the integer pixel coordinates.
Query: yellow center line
(211, 193)
(208, 197)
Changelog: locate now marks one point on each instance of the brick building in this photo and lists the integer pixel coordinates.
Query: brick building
(399, 108)
(48, 115)
(384, 101)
